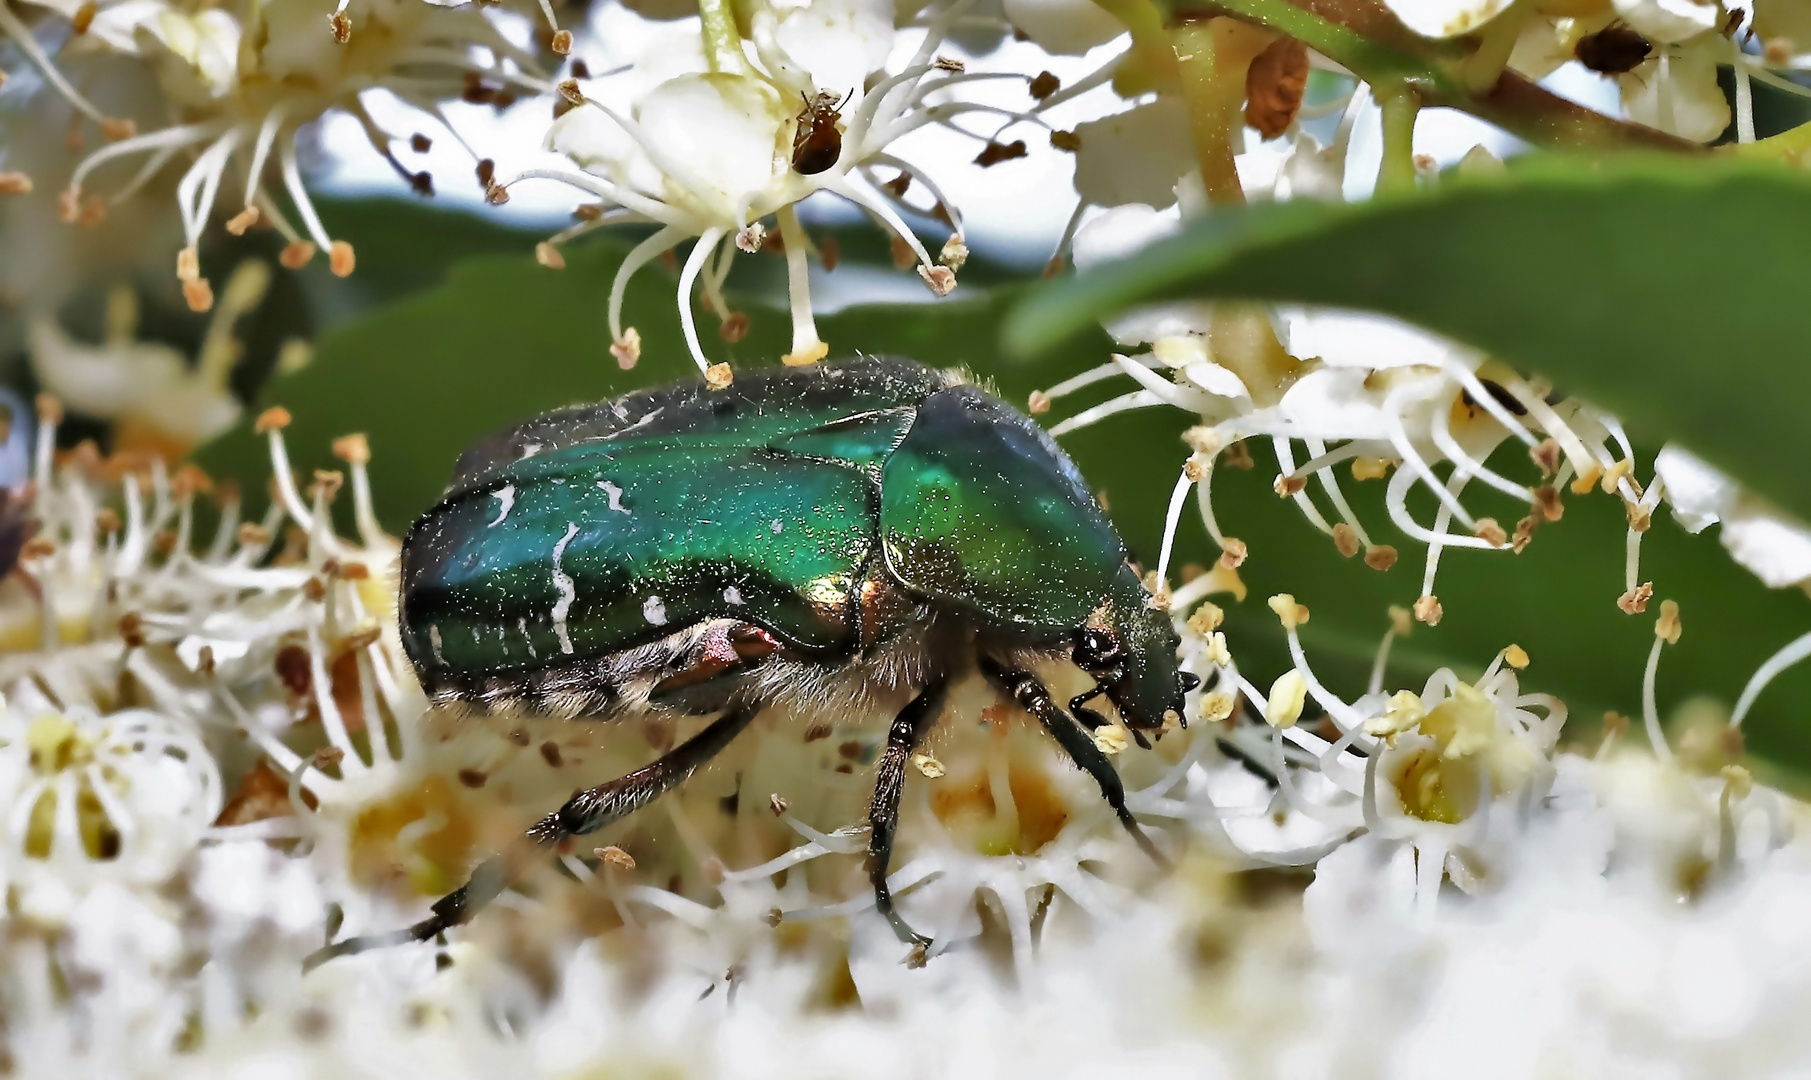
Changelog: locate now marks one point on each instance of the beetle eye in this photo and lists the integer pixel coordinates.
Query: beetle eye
(1095, 648)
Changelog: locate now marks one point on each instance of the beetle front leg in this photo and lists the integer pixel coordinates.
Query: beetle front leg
(1035, 699)
(883, 813)
(587, 811)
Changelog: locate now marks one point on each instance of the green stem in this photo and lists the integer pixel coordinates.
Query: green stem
(1400, 104)
(722, 41)
(1370, 43)
(1211, 62)
(1363, 37)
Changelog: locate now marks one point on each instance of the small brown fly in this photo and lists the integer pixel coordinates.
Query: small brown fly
(818, 141)
(1614, 50)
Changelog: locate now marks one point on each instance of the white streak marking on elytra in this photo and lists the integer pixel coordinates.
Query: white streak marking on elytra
(733, 595)
(654, 609)
(563, 582)
(434, 642)
(777, 526)
(616, 497)
(506, 498)
(530, 450)
(522, 627)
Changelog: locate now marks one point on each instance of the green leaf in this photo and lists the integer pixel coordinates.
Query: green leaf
(1670, 292)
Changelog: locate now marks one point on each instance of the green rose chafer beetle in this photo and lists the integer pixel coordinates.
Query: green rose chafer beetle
(839, 540)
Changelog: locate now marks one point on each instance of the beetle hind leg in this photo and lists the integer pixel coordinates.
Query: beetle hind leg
(883, 813)
(1035, 699)
(586, 811)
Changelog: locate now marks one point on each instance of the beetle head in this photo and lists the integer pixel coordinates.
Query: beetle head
(1129, 648)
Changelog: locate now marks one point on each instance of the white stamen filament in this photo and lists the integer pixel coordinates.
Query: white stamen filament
(185, 135)
(1437, 541)
(949, 207)
(805, 338)
(1330, 484)
(652, 209)
(286, 481)
(1550, 422)
(1650, 713)
(1139, 399)
(292, 182)
(267, 137)
(688, 276)
(639, 256)
(12, 26)
(154, 164)
(1396, 499)
(1344, 716)
(1172, 519)
(1441, 429)
(1632, 548)
(840, 185)
(1100, 76)
(1791, 654)
(1204, 499)
(1285, 455)
(1087, 378)
(1417, 465)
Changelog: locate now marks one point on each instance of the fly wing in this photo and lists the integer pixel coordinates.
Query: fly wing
(600, 547)
(979, 507)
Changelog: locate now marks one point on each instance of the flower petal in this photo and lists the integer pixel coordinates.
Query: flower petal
(1352, 339)
(1680, 95)
(727, 131)
(1064, 27)
(838, 41)
(1446, 18)
(1136, 156)
(1668, 21)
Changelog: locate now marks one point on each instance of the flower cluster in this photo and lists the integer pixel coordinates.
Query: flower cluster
(1378, 397)
(244, 81)
(710, 134)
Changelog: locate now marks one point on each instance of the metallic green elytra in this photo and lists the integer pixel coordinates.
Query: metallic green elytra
(836, 540)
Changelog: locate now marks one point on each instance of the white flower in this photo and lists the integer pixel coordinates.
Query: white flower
(244, 88)
(1669, 21)
(150, 391)
(1063, 27)
(89, 797)
(1678, 92)
(702, 143)
(1350, 388)
(1446, 18)
(1774, 546)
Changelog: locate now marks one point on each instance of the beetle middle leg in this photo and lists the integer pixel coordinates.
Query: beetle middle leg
(1035, 699)
(883, 813)
(586, 811)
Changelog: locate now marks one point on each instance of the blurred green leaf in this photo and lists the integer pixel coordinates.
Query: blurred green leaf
(503, 339)
(1670, 292)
